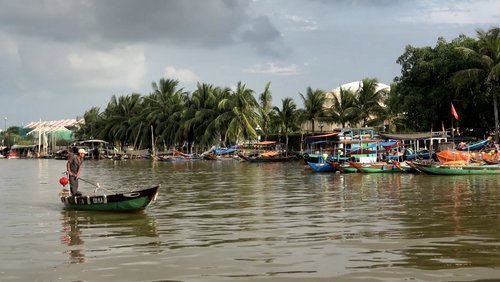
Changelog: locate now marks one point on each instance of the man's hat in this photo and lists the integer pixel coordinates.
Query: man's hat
(82, 151)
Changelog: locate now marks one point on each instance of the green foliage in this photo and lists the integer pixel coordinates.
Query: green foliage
(464, 71)
(424, 91)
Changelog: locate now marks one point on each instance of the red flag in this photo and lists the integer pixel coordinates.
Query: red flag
(453, 112)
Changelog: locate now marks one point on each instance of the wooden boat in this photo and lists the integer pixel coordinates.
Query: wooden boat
(475, 146)
(404, 166)
(375, 168)
(259, 158)
(458, 169)
(312, 158)
(119, 202)
(321, 167)
(344, 167)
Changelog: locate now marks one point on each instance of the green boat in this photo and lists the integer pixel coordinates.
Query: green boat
(457, 169)
(343, 167)
(120, 202)
(375, 168)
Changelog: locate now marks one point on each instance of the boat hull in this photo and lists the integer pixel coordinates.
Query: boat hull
(273, 159)
(124, 202)
(375, 168)
(321, 167)
(459, 170)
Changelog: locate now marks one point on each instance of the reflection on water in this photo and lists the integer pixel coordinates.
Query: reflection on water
(71, 237)
(78, 225)
(232, 221)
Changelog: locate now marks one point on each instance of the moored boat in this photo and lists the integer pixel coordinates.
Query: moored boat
(475, 146)
(260, 158)
(375, 167)
(344, 167)
(458, 169)
(119, 202)
(321, 166)
(404, 166)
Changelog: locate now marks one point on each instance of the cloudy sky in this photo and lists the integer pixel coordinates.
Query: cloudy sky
(59, 58)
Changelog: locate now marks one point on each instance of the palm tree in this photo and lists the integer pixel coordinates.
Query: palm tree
(239, 114)
(368, 101)
(265, 108)
(342, 110)
(487, 61)
(122, 118)
(287, 117)
(90, 128)
(164, 108)
(313, 105)
(202, 113)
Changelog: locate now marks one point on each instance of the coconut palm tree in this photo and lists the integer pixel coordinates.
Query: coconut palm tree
(122, 117)
(202, 113)
(287, 117)
(313, 105)
(163, 111)
(239, 114)
(369, 100)
(265, 107)
(90, 127)
(342, 110)
(487, 62)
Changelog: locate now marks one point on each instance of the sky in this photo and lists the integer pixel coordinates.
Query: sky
(60, 58)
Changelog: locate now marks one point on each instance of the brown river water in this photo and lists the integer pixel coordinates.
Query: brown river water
(236, 221)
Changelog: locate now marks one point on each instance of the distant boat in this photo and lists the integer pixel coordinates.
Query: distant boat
(120, 202)
(12, 155)
(269, 151)
(269, 158)
(176, 156)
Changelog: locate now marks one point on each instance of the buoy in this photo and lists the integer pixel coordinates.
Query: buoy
(64, 181)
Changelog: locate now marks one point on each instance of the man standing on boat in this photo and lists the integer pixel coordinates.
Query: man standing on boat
(74, 165)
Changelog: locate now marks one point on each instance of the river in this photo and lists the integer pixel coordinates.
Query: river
(237, 221)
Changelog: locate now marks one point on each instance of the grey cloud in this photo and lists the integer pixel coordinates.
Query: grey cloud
(208, 23)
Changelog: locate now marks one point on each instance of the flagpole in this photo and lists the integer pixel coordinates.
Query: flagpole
(452, 133)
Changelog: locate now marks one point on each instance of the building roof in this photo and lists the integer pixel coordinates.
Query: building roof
(355, 85)
(52, 126)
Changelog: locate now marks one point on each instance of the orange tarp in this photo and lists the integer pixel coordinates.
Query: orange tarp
(453, 155)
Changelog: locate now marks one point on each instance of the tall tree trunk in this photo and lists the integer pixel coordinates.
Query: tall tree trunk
(495, 111)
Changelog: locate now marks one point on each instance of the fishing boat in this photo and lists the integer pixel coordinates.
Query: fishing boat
(119, 202)
(321, 166)
(456, 168)
(344, 167)
(268, 151)
(375, 167)
(404, 166)
(474, 146)
(269, 158)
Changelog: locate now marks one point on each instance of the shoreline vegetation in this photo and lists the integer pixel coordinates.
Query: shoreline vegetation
(463, 73)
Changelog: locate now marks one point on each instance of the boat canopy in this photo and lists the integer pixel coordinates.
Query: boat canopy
(325, 138)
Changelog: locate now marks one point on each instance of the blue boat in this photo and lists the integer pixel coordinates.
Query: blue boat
(475, 146)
